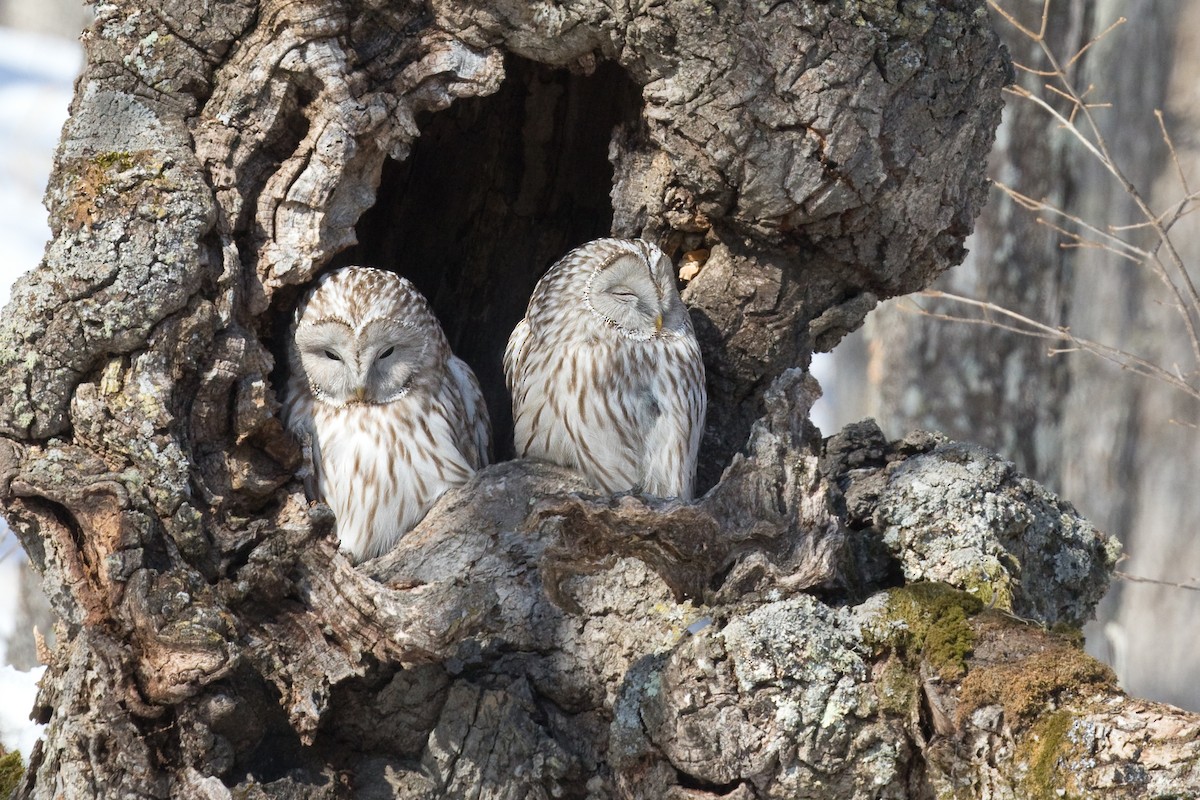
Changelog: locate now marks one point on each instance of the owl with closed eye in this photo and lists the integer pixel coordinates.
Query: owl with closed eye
(392, 418)
(605, 371)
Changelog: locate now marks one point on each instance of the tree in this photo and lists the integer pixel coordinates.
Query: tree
(530, 639)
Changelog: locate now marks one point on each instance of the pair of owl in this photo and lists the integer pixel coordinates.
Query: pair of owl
(604, 371)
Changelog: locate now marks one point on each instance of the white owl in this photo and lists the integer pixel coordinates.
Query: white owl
(605, 371)
(393, 417)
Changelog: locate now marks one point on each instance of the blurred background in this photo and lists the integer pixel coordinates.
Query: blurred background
(39, 59)
(1123, 448)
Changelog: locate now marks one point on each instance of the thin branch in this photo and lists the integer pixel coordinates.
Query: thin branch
(1079, 241)
(1071, 61)
(1162, 127)
(1032, 70)
(1067, 124)
(1052, 88)
(1100, 149)
(1180, 208)
(1125, 576)
(1037, 37)
(1189, 306)
(1031, 204)
(1030, 327)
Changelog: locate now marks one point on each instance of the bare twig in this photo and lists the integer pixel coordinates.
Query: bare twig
(1019, 323)
(1119, 246)
(1073, 110)
(1170, 268)
(1162, 127)
(1125, 576)
(1037, 37)
(1179, 282)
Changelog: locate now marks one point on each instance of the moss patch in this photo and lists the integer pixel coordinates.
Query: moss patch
(121, 160)
(929, 621)
(993, 586)
(898, 689)
(11, 770)
(1044, 747)
(117, 179)
(1023, 687)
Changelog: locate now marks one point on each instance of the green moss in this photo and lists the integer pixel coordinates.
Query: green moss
(115, 179)
(1023, 687)
(1070, 634)
(119, 159)
(11, 770)
(993, 587)
(898, 689)
(1044, 749)
(929, 622)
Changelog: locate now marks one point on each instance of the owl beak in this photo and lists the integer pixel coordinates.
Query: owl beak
(360, 392)
(658, 323)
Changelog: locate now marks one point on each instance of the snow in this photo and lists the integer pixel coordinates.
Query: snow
(36, 77)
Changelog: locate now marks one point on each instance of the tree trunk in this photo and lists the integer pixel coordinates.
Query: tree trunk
(528, 639)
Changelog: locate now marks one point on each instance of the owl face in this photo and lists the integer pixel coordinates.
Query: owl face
(634, 293)
(371, 363)
(366, 336)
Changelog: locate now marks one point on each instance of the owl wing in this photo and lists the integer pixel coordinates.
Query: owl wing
(475, 434)
(514, 353)
(674, 422)
(298, 418)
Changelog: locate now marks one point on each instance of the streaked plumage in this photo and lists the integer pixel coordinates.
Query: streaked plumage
(605, 371)
(393, 418)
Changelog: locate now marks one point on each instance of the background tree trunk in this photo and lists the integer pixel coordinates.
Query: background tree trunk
(527, 639)
(1110, 441)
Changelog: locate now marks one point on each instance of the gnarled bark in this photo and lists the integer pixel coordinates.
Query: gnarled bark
(528, 639)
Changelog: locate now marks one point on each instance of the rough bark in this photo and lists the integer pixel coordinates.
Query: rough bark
(528, 639)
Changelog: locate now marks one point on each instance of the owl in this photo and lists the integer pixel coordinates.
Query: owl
(605, 371)
(393, 418)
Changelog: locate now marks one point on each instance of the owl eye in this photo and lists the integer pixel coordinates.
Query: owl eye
(387, 352)
(623, 293)
(333, 355)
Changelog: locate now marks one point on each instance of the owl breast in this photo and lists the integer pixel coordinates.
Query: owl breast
(381, 467)
(625, 421)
